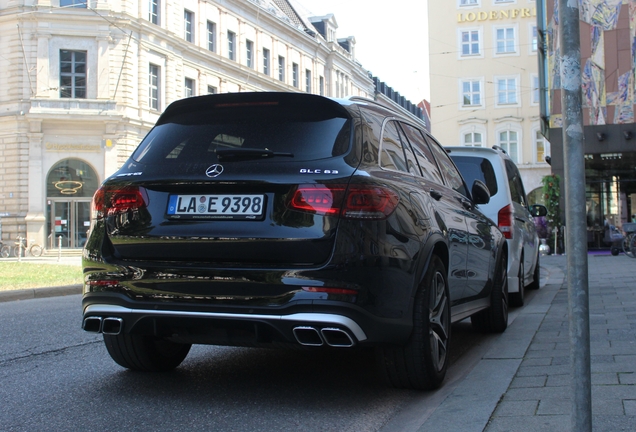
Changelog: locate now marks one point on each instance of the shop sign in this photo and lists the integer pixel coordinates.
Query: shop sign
(56, 147)
(497, 15)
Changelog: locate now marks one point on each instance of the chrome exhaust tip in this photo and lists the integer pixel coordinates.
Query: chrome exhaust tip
(112, 326)
(308, 336)
(335, 337)
(92, 324)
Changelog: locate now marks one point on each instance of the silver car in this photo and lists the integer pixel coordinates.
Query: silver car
(509, 209)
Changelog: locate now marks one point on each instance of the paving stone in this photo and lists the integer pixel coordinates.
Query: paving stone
(627, 378)
(604, 378)
(552, 406)
(517, 408)
(629, 406)
(533, 381)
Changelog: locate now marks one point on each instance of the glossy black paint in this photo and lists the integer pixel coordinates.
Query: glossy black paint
(142, 260)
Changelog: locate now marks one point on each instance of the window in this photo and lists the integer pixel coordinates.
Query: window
(473, 139)
(505, 39)
(153, 11)
(470, 42)
(211, 36)
(212, 90)
(266, 61)
(534, 38)
(154, 87)
(509, 141)
(392, 155)
(506, 91)
(468, 2)
(188, 27)
(73, 3)
(535, 89)
(541, 147)
(188, 87)
(231, 45)
(73, 74)
(471, 93)
(453, 178)
(295, 74)
(281, 68)
(307, 80)
(517, 192)
(423, 154)
(249, 52)
(321, 86)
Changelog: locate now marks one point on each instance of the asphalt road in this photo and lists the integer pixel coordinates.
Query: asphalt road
(54, 376)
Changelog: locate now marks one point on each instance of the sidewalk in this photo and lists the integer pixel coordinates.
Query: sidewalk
(523, 383)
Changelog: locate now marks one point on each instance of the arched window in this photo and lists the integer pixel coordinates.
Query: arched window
(509, 141)
(70, 185)
(473, 139)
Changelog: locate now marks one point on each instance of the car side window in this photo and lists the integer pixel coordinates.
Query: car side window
(391, 153)
(452, 176)
(515, 183)
(423, 154)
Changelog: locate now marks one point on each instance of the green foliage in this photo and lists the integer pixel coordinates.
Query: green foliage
(552, 196)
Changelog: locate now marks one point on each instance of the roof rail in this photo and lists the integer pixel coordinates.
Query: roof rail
(496, 147)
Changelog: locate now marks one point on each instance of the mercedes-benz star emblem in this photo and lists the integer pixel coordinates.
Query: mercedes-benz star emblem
(214, 170)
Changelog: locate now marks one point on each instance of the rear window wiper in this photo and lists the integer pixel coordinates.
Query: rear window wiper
(249, 153)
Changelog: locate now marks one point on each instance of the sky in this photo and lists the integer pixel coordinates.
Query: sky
(391, 38)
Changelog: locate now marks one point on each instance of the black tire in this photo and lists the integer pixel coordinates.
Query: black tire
(5, 252)
(422, 362)
(517, 299)
(536, 282)
(632, 245)
(626, 246)
(145, 353)
(36, 250)
(495, 318)
(17, 250)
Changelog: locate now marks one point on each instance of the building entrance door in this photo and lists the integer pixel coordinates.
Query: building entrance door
(69, 222)
(71, 184)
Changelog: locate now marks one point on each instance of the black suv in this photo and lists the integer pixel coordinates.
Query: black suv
(279, 219)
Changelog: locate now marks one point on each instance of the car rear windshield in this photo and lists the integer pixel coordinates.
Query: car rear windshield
(196, 137)
(477, 168)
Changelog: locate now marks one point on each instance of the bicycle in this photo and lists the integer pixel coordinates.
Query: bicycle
(5, 250)
(32, 249)
(629, 241)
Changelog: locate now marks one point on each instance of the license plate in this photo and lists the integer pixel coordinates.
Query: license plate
(241, 207)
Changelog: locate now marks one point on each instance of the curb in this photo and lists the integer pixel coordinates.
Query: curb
(34, 293)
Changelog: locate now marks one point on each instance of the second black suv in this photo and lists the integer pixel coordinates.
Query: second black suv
(273, 219)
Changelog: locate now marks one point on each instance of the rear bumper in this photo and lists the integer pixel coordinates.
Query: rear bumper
(133, 316)
(318, 323)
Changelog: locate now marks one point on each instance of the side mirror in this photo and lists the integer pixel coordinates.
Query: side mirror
(480, 192)
(538, 210)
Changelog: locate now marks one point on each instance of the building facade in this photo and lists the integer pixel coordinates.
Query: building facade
(608, 70)
(82, 84)
(485, 82)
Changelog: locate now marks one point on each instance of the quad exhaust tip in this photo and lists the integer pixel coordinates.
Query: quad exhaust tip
(334, 337)
(108, 326)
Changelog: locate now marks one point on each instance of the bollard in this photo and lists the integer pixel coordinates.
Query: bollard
(19, 248)
(59, 249)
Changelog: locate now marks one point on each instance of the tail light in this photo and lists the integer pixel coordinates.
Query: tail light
(352, 202)
(505, 221)
(110, 201)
